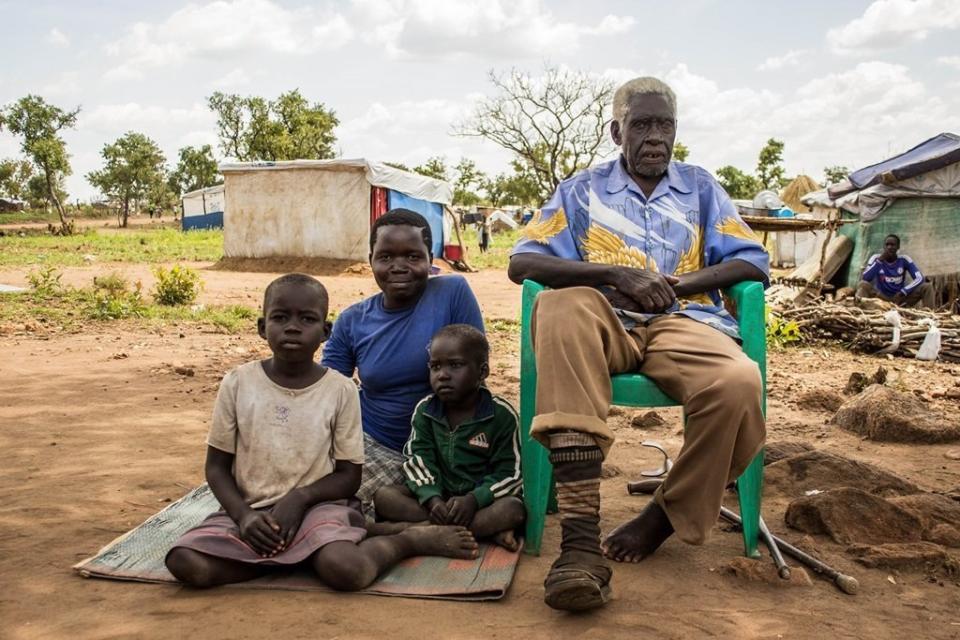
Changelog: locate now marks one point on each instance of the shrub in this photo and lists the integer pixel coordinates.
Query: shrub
(46, 282)
(780, 333)
(176, 286)
(112, 299)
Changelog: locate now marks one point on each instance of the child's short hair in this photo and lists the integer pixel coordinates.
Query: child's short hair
(298, 280)
(472, 339)
(402, 216)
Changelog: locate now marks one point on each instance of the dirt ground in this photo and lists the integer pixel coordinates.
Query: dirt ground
(98, 432)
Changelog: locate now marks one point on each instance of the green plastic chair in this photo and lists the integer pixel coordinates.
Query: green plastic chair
(634, 390)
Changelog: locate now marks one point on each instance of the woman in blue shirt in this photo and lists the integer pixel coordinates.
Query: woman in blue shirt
(384, 340)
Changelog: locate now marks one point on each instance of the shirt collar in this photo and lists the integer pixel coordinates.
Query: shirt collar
(484, 411)
(619, 180)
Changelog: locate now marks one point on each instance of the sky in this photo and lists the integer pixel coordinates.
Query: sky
(841, 83)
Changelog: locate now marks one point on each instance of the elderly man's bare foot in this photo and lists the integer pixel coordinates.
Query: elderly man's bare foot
(635, 540)
(506, 539)
(437, 540)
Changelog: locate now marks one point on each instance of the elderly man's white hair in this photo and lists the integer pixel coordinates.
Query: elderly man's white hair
(641, 86)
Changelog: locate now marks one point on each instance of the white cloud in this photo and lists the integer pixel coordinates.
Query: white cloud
(411, 131)
(116, 119)
(887, 24)
(57, 38)
(67, 83)
(789, 59)
(950, 61)
(225, 28)
(488, 28)
(233, 80)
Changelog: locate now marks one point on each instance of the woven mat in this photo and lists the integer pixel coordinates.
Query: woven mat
(138, 556)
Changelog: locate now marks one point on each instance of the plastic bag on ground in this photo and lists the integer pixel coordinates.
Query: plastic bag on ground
(930, 349)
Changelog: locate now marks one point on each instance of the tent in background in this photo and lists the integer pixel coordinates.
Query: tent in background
(202, 209)
(321, 208)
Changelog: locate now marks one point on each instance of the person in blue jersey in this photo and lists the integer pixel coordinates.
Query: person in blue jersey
(384, 340)
(886, 277)
(635, 252)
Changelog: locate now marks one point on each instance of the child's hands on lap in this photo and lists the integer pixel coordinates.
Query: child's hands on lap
(438, 510)
(461, 509)
(261, 531)
(288, 513)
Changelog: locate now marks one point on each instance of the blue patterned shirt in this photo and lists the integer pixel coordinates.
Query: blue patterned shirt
(688, 223)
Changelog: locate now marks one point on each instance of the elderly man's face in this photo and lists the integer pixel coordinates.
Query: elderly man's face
(646, 135)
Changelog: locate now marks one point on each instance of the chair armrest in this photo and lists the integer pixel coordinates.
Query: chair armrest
(749, 299)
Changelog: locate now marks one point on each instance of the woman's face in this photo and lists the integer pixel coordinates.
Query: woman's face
(401, 264)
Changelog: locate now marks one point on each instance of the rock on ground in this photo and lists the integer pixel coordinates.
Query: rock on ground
(884, 414)
(823, 400)
(860, 381)
(764, 570)
(819, 470)
(938, 514)
(774, 451)
(910, 556)
(852, 516)
(647, 420)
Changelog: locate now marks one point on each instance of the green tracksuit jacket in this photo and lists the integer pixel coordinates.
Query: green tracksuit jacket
(481, 456)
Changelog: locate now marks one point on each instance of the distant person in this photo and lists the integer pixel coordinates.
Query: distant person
(462, 461)
(886, 278)
(383, 340)
(484, 235)
(284, 459)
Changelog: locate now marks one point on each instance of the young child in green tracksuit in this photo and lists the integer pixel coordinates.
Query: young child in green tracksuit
(463, 456)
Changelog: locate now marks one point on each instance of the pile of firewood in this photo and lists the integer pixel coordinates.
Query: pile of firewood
(865, 329)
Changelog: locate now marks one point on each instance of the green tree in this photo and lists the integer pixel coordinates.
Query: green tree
(133, 165)
(435, 167)
(196, 169)
(834, 174)
(555, 123)
(738, 184)
(288, 128)
(680, 151)
(518, 188)
(14, 176)
(39, 125)
(770, 170)
(469, 180)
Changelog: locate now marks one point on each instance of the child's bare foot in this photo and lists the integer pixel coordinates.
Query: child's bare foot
(438, 540)
(635, 540)
(506, 539)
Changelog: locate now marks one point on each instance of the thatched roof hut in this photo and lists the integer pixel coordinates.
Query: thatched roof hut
(793, 192)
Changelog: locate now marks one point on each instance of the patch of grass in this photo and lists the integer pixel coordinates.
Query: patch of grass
(497, 256)
(109, 298)
(142, 245)
(502, 325)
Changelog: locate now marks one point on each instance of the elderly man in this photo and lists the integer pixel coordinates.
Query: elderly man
(635, 251)
(886, 278)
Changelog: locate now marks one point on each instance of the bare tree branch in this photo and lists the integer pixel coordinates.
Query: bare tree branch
(554, 123)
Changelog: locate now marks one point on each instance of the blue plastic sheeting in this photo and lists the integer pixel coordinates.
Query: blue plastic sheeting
(212, 220)
(432, 211)
(939, 151)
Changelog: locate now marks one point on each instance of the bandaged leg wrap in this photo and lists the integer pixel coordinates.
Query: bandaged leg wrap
(577, 462)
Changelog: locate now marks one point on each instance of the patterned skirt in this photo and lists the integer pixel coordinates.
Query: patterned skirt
(382, 466)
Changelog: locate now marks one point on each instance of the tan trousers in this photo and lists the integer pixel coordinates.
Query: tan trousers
(579, 341)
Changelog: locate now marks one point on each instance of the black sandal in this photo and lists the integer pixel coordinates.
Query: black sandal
(577, 581)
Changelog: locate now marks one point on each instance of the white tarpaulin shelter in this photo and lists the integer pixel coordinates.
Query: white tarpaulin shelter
(320, 208)
(203, 208)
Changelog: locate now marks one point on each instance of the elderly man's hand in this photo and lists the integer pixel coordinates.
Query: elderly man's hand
(651, 291)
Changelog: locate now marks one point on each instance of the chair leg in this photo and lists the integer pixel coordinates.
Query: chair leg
(750, 493)
(538, 492)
